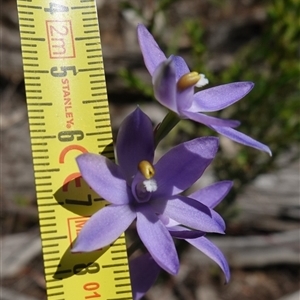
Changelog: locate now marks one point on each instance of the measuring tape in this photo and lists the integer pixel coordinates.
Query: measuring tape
(68, 115)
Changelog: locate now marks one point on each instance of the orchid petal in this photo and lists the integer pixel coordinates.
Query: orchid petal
(104, 177)
(184, 233)
(143, 274)
(157, 239)
(167, 221)
(104, 227)
(181, 68)
(218, 219)
(164, 83)
(188, 212)
(135, 142)
(152, 54)
(220, 97)
(208, 120)
(183, 165)
(184, 97)
(241, 138)
(166, 73)
(212, 251)
(184, 100)
(213, 194)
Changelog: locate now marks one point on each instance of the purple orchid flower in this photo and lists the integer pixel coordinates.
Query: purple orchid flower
(210, 196)
(144, 270)
(139, 190)
(143, 274)
(174, 88)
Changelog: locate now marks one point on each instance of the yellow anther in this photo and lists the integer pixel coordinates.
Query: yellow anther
(146, 168)
(188, 80)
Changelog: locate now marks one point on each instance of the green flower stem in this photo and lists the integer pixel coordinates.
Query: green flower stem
(168, 123)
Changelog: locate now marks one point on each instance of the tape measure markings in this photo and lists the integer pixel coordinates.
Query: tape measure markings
(43, 164)
(26, 19)
(90, 25)
(27, 13)
(44, 191)
(29, 6)
(52, 252)
(96, 88)
(41, 178)
(92, 50)
(39, 103)
(47, 225)
(42, 132)
(46, 219)
(54, 238)
(90, 101)
(52, 259)
(37, 123)
(97, 82)
(41, 157)
(90, 69)
(28, 26)
(30, 58)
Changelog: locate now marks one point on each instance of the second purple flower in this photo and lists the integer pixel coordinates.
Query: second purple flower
(174, 88)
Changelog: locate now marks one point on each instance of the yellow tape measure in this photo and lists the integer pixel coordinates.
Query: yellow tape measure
(68, 115)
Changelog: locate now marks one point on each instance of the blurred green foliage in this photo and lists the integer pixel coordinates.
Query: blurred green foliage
(270, 113)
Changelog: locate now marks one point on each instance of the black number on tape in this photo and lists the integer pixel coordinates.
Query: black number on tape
(89, 268)
(69, 135)
(64, 71)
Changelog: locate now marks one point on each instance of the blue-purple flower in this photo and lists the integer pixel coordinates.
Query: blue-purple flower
(210, 196)
(174, 88)
(138, 189)
(144, 270)
(143, 274)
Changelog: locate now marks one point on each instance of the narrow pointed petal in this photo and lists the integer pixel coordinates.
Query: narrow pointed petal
(189, 213)
(143, 274)
(208, 120)
(135, 142)
(104, 177)
(184, 233)
(213, 252)
(220, 97)
(104, 227)
(241, 138)
(157, 239)
(184, 101)
(180, 65)
(152, 54)
(213, 194)
(184, 98)
(164, 84)
(183, 165)
(218, 219)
